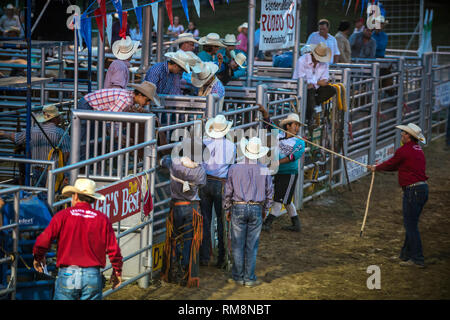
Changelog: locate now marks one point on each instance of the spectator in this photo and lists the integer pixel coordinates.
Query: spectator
(10, 23)
(230, 42)
(117, 75)
(359, 25)
(192, 28)
(323, 36)
(242, 37)
(186, 42)
(176, 29)
(380, 38)
(211, 44)
(234, 69)
(343, 43)
(362, 44)
(136, 33)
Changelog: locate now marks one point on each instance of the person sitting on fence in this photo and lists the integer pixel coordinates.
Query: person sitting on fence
(247, 198)
(222, 154)
(291, 150)
(167, 75)
(362, 44)
(10, 23)
(117, 75)
(234, 69)
(48, 141)
(204, 77)
(84, 236)
(343, 43)
(313, 67)
(184, 225)
(323, 36)
(380, 37)
(186, 42)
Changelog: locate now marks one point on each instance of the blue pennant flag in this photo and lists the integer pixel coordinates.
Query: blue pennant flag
(138, 11)
(185, 8)
(118, 5)
(86, 30)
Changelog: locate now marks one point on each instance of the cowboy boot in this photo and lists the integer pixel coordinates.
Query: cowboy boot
(267, 224)
(295, 225)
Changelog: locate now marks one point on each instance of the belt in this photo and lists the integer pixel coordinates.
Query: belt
(77, 267)
(184, 203)
(249, 202)
(216, 178)
(414, 185)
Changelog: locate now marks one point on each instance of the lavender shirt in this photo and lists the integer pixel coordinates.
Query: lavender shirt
(248, 181)
(117, 75)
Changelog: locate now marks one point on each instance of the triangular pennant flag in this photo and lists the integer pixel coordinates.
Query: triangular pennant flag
(211, 2)
(109, 19)
(197, 7)
(118, 5)
(123, 29)
(102, 4)
(86, 30)
(185, 8)
(155, 15)
(99, 20)
(169, 10)
(138, 12)
(356, 5)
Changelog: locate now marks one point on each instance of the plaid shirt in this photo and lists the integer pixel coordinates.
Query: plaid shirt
(165, 81)
(115, 100)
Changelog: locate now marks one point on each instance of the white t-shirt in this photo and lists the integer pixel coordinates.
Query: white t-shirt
(179, 29)
(330, 41)
(305, 69)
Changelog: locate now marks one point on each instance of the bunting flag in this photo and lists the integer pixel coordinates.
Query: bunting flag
(138, 12)
(348, 7)
(109, 24)
(118, 5)
(102, 5)
(155, 15)
(169, 10)
(185, 8)
(86, 31)
(99, 19)
(123, 29)
(211, 2)
(197, 7)
(356, 5)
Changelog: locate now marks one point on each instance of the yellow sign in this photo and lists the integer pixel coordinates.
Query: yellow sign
(158, 256)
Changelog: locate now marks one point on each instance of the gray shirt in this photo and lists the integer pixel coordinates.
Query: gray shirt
(361, 49)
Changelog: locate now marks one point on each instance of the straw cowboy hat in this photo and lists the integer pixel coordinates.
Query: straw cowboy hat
(10, 7)
(253, 148)
(180, 58)
(240, 58)
(148, 89)
(124, 49)
(321, 52)
(218, 126)
(292, 117)
(244, 25)
(193, 59)
(185, 37)
(230, 40)
(202, 72)
(413, 130)
(212, 39)
(83, 186)
(48, 112)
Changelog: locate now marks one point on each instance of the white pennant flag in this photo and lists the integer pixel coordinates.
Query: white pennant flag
(155, 15)
(135, 3)
(109, 22)
(197, 7)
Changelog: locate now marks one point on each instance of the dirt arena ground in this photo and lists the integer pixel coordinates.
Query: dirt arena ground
(328, 259)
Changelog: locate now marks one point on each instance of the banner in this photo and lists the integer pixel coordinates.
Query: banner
(277, 24)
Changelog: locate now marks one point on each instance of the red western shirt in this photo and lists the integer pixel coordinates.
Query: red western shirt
(409, 160)
(84, 236)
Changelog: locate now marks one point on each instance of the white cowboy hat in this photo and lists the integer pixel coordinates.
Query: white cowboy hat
(292, 117)
(9, 7)
(180, 58)
(83, 186)
(253, 148)
(240, 58)
(185, 37)
(230, 40)
(321, 52)
(212, 39)
(193, 59)
(124, 48)
(148, 89)
(48, 112)
(244, 25)
(218, 126)
(413, 130)
(202, 72)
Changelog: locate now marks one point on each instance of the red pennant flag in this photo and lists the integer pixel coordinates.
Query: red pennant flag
(123, 31)
(99, 20)
(169, 10)
(211, 2)
(356, 6)
(103, 11)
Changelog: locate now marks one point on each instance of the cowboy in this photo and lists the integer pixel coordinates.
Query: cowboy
(192, 60)
(167, 75)
(204, 77)
(380, 37)
(186, 42)
(117, 75)
(84, 236)
(247, 197)
(362, 44)
(242, 37)
(222, 154)
(323, 36)
(184, 223)
(313, 67)
(291, 150)
(43, 142)
(10, 23)
(409, 161)
(234, 69)
(211, 44)
(230, 42)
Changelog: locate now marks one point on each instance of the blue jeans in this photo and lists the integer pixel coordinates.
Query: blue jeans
(182, 224)
(414, 198)
(211, 195)
(246, 222)
(75, 283)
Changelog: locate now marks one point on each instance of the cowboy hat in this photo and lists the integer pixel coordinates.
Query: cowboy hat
(193, 59)
(202, 72)
(321, 52)
(240, 58)
(148, 89)
(10, 7)
(230, 40)
(83, 186)
(244, 25)
(185, 37)
(124, 49)
(48, 112)
(180, 58)
(218, 126)
(414, 131)
(292, 117)
(253, 148)
(212, 39)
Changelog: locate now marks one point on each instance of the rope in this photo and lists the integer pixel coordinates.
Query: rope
(367, 204)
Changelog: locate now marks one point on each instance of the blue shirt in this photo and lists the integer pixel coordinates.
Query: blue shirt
(292, 148)
(165, 81)
(205, 56)
(381, 39)
(222, 154)
(283, 60)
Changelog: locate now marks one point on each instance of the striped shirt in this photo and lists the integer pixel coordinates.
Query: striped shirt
(165, 81)
(40, 146)
(115, 100)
